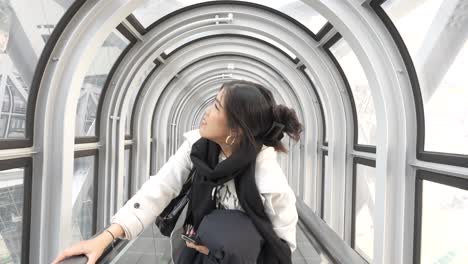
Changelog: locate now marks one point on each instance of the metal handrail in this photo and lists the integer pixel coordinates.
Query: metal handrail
(336, 248)
(107, 256)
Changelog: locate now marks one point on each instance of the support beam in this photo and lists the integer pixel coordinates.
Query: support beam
(21, 52)
(445, 38)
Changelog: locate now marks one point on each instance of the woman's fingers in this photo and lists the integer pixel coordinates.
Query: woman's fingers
(203, 250)
(190, 245)
(199, 248)
(91, 259)
(77, 249)
(65, 254)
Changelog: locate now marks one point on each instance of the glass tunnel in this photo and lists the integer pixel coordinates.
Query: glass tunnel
(96, 96)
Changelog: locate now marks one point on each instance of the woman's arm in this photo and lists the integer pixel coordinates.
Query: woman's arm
(278, 198)
(155, 194)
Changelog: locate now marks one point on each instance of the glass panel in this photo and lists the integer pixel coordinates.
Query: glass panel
(137, 82)
(25, 27)
(444, 228)
(412, 20)
(326, 192)
(127, 171)
(364, 211)
(151, 11)
(439, 52)
(11, 213)
(446, 112)
(83, 198)
(360, 91)
(94, 81)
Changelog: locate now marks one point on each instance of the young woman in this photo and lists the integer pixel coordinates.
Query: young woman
(241, 207)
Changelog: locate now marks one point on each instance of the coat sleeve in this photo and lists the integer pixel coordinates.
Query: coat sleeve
(142, 208)
(281, 209)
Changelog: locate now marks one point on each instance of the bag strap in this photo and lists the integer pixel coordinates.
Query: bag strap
(189, 178)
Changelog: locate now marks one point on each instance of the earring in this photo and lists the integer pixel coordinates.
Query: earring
(233, 140)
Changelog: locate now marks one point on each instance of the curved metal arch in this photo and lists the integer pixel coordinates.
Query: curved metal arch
(200, 50)
(434, 157)
(206, 92)
(55, 120)
(185, 96)
(317, 37)
(396, 115)
(232, 35)
(114, 115)
(244, 76)
(361, 147)
(289, 30)
(225, 59)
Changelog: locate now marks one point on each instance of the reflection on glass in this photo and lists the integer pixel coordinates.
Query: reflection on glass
(25, 27)
(360, 91)
(439, 53)
(364, 211)
(11, 214)
(127, 170)
(94, 81)
(83, 198)
(150, 11)
(444, 236)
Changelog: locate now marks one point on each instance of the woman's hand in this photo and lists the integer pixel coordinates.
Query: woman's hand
(92, 248)
(200, 248)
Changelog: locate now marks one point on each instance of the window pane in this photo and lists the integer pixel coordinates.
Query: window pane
(364, 211)
(11, 213)
(446, 112)
(444, 230)
(326, 192)
(25, 27)
(439, 53)
(94, 81)
(126, 175)
(360, 91)
(83, 198)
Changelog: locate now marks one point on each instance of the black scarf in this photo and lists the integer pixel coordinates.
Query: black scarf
(240, 166)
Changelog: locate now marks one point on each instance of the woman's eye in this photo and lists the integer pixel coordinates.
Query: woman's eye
(216, 107)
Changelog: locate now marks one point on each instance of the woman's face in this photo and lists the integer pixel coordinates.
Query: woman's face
(214, 123)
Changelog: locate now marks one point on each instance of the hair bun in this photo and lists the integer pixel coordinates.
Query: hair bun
(288, 117)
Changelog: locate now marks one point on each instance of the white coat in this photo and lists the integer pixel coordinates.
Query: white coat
(278, 198)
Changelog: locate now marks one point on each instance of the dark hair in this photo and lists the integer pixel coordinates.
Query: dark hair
(252, 108)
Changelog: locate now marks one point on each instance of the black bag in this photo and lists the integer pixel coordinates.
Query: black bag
(167, 220)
